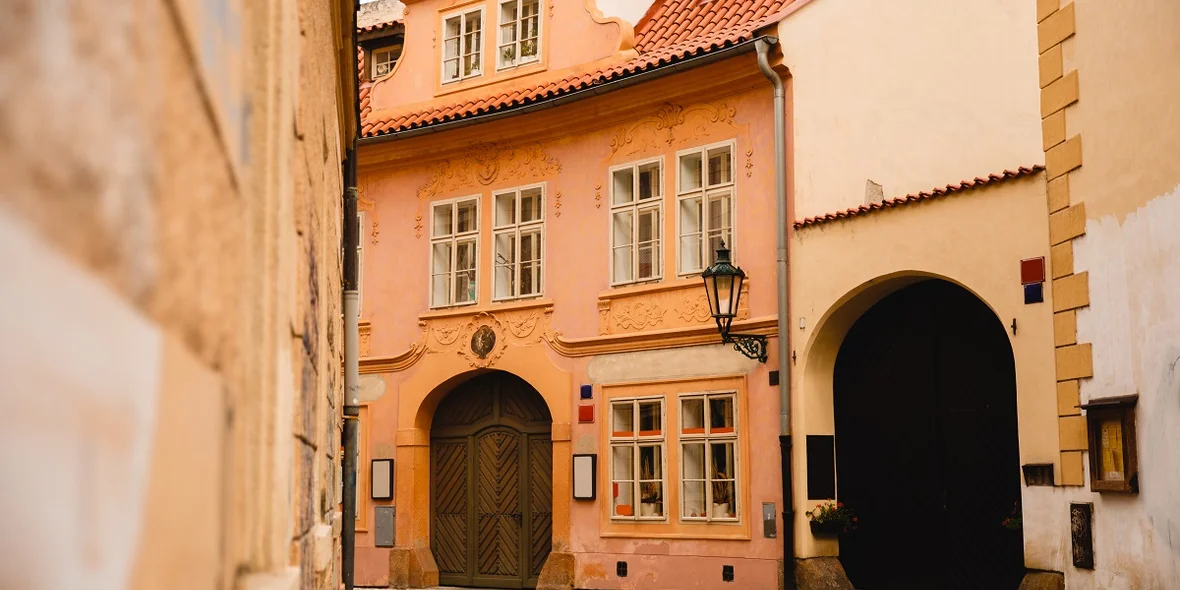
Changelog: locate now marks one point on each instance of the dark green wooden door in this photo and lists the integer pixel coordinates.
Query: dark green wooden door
(491, 484)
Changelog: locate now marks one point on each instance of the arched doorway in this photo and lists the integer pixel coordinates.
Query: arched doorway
(926, 443)
(491, 483)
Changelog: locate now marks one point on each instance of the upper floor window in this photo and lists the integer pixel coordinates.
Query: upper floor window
(520, 32)
(383, 60)
(462, 45)
(454, 251)
(637, 458)
(705, 190)
(519, 225)
(637, 208)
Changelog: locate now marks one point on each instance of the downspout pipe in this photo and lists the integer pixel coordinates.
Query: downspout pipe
(764, 45)
(351, 302)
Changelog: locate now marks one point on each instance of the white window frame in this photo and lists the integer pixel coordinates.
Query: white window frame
(634, 442)
(453, 238)
(360, 261)
(477, 50)
(706, 439)
(374, 61)
(704, 192)
(636, 206)
(517, 60)
(516, 228)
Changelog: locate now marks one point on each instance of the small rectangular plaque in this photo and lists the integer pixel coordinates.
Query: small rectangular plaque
(383, 529)
(381, 479)
(769, 522)
(585, 468)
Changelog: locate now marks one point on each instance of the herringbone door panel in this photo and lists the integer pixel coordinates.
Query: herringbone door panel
(498, 504)
(450, 512)
(540, 502)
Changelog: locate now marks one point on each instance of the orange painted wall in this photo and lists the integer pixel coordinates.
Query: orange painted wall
(570, 149)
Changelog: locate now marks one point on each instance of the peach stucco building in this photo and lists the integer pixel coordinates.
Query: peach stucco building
(541, 185)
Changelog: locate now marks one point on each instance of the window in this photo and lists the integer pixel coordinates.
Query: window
(636, 210)
(383, 60)
(454, 250)
(360, 260)
(705, 202)
(708, 459)
(520, 219)
(520, 32)
(637, 459)
(462, 43)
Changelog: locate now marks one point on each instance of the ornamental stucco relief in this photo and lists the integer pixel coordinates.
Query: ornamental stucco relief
(672, 124)
(669, 307)
(485, 163)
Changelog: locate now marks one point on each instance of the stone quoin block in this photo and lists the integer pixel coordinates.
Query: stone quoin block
(1071, 292)
(1058, 193)
(1046, 8)
(1067, 224)
(1075, 362)
(1056, 27)
(1050, 65)
(1068, 398)
(1064, 157)
(1072, 433)
(1072, 473)
(1065, 328)
(1060, 94)
(1053, 130)
(1061, 259)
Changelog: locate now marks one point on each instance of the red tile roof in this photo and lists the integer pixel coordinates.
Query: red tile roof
(378, 26)
(672, 30)
(923, 196)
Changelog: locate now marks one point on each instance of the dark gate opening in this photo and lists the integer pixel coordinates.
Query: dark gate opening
(926, 443)
(491, 484)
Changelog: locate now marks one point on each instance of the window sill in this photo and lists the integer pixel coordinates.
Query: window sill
(468, 309)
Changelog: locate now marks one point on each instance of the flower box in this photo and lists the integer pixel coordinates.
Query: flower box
(826, 529)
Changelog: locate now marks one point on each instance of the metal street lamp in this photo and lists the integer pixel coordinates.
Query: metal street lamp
(723, 289)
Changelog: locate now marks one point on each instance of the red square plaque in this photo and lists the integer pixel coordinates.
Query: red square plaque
(586, 413)
(1032, 270)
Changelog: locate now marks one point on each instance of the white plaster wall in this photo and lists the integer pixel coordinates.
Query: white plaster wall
(912, 94)
(1133, 323)
(628, 10)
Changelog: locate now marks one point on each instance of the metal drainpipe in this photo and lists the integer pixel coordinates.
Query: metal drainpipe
(351, 297)
(784, 349)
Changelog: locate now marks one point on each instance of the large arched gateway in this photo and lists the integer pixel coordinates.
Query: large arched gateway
(491, 483)
(926, 443)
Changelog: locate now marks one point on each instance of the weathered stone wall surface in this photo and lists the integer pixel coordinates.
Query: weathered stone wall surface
(171, 211)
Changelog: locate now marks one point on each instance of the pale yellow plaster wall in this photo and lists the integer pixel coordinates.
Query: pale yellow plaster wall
(913, 95)
(975, 239)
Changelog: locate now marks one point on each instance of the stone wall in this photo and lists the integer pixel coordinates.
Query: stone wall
(171, 214)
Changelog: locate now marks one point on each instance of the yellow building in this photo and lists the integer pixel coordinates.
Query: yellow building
(543, 183)
(169, 236)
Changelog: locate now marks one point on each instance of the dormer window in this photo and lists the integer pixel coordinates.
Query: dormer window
(520, 33)
(462, 42)
(383, 60)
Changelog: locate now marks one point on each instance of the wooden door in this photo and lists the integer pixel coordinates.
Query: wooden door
(491, 484)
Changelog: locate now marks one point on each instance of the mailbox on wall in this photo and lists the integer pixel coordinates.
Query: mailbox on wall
(585, 473)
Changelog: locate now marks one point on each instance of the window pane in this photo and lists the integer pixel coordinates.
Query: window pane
(508, 11)
(623, 186)
(720, 224)
(451, 48)
(651, 484)
(723, 504)
(622, 248)
(719, 166)
(649, 243)
(442, 221)
(474, 19)
(623, 419)
(622, 480)
(649, 181)
(694, 499)
(452, 28)
(467, 219)
(505, 209)
(530, 205)
(465, 271)
(690, 234)
(692, 415)
(505, 265)
(650, 420)
(721, 415)
(451, 69)
(694, 460)
(530, 262)
(690, 172)
(440, 273)
(721, 459)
